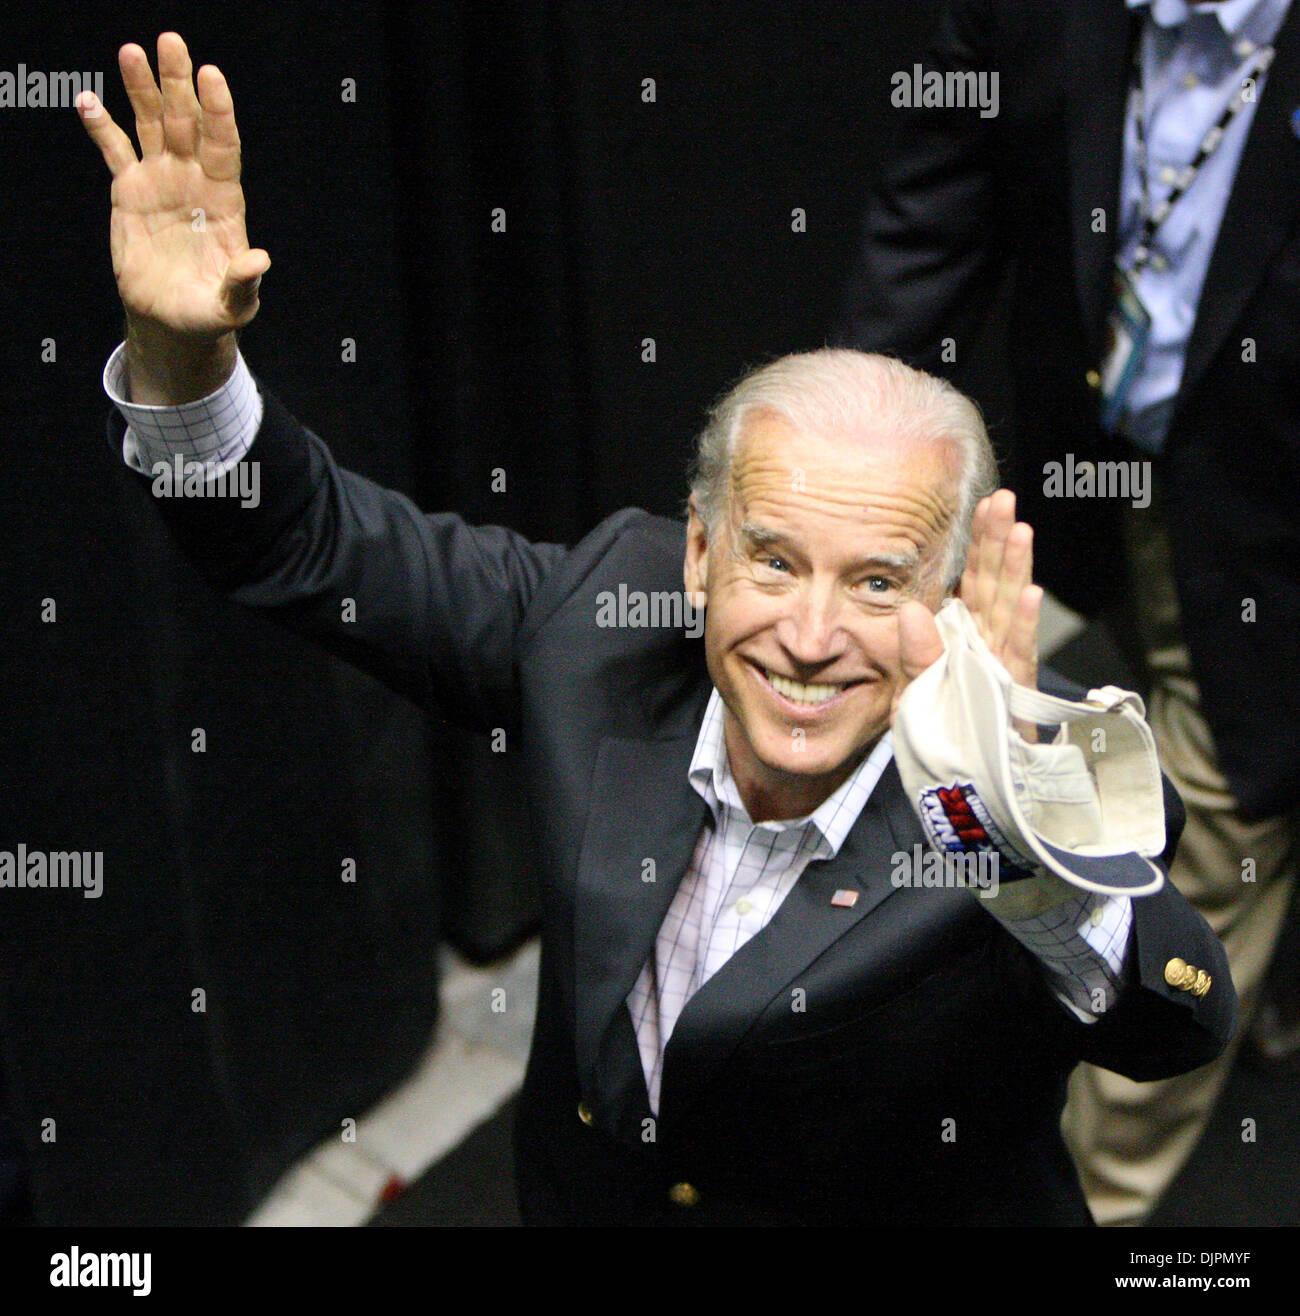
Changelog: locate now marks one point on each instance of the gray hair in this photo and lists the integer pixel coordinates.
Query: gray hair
(837, 391)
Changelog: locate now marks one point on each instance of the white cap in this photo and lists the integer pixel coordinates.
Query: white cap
(1088, 807)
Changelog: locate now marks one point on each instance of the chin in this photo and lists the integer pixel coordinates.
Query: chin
(811, 763)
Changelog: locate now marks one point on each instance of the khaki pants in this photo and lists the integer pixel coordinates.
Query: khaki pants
(1129, 1139)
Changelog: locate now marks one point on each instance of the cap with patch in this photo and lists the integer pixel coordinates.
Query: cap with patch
(1088, 806)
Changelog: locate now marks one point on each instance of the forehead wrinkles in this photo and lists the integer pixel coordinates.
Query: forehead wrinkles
(908, 493)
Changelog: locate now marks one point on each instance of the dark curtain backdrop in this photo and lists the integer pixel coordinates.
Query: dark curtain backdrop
(476, 352)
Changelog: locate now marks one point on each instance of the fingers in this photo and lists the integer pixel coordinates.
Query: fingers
(997, 586)
(218, 137)
(1021, 656)
(146, 99)
(1021, 653)
(1013, 575)
(113, 143)
(984, 561)
(999, 566)
(180, 105)
(970, 575)
(174, 118)
(976, 584)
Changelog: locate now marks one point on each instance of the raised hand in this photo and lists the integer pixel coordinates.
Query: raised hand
(185, 272)
(997, 588)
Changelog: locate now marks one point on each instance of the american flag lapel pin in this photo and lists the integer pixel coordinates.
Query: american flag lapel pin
(844, 899)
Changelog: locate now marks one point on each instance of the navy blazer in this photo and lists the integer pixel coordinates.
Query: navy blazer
(923, 1077)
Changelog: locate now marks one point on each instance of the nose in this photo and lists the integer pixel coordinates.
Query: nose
(811, 632)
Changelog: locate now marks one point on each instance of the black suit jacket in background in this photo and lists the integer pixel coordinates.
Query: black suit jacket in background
(960, 196)
(923, 1079)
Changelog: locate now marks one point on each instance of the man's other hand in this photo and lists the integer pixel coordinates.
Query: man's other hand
(998, 590)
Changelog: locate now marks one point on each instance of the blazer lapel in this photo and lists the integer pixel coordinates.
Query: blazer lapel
(643, 812)
(1098, 51)
(719, 1015)
(1262, 209)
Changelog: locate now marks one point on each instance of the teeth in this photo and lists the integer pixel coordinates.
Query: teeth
(801, 693)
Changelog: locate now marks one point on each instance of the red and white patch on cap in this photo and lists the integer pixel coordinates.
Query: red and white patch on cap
(958, 821)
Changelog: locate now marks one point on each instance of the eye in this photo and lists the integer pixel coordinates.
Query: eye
(879, 592)
(774, 563)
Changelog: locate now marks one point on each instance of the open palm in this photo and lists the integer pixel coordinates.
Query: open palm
(180, 250)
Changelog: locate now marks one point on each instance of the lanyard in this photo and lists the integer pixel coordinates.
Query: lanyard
(1152, 219)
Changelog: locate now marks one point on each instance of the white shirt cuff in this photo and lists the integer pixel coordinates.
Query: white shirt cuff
(216, 430)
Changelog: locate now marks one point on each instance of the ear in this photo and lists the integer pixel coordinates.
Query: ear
(695, 570)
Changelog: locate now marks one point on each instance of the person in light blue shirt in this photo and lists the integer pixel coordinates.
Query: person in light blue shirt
(1195, 58)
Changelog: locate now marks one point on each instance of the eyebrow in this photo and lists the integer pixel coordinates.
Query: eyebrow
(759, 536)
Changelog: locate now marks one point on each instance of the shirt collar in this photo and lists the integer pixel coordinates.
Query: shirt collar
(1233, 15)
(833, 819)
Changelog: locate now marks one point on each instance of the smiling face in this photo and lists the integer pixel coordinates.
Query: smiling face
(826, 537)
